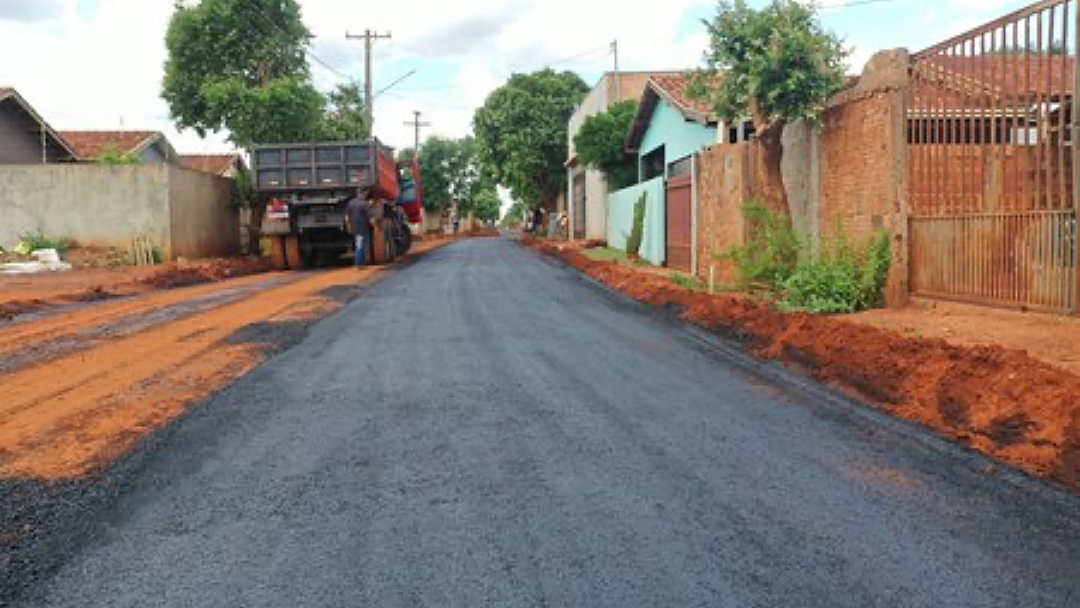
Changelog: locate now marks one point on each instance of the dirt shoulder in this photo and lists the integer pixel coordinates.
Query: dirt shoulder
(1001, 401)
(1052, 339)
(22, 294)
(83, 385)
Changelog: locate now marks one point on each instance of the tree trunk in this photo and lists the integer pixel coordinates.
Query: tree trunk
(768, 180)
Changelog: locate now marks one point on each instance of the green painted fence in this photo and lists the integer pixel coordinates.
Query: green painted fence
(621, 219)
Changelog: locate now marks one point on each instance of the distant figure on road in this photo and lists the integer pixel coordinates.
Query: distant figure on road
(357, 224)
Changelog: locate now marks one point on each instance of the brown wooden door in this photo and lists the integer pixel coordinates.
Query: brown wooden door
(678, 223)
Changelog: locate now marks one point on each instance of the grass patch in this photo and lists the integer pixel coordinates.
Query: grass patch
(611, 254)
(32, 241)
(688, 282)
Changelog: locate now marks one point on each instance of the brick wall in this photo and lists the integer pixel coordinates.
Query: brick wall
(723, 185)
(850, 174)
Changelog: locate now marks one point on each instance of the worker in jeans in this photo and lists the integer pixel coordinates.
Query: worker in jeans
(358, 224)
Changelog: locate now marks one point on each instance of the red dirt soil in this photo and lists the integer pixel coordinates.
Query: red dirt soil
(21, 294)
(67, 414)
(1000, 401)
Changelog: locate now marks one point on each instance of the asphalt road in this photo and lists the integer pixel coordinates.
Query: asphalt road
(486, 428)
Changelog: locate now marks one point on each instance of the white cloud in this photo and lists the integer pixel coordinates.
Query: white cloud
(98, 63)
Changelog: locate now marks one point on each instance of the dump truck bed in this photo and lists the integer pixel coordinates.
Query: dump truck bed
(317, 167)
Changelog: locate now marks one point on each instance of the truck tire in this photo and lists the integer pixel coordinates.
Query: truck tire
(378, 244)
(292, 253)
(277, 253)
(404, 240)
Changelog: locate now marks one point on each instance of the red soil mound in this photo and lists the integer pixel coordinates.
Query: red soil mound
(1001, 402)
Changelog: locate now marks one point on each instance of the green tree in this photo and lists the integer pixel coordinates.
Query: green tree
(601, 144)
(451, 173)
(514, 216)
(240, 65)
(485, 204)
(521, 133)
(774, 64)
(344, 118)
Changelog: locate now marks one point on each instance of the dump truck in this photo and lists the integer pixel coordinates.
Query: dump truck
(306, 187)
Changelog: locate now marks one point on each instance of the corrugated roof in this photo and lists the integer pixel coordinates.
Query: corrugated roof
(92, 144)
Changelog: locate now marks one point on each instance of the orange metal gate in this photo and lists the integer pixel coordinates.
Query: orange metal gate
(678, 223)
(991, 164)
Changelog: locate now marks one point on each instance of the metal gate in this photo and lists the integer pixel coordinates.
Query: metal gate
(991, 164)
(677, 231)
(579, 206)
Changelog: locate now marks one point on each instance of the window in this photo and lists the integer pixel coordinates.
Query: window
(652, 164)
(680, 167)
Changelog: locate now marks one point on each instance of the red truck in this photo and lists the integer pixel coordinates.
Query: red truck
(306, 187)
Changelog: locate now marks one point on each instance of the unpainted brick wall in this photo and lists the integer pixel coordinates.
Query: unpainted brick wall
(723, 186)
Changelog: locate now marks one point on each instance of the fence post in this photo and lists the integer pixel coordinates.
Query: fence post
(1075, 159)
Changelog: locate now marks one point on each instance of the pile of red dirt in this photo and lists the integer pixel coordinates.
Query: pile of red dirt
(179, 274)
(1001, 402)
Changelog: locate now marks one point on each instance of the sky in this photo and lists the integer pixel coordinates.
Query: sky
(98, 64)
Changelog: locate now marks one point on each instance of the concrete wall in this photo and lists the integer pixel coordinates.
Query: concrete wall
(202, 217)
(621, 219)
(93, 204)
(680, 137)
(182, 212)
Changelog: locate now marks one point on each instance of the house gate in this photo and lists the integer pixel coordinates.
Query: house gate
(993, 199)
(678, 223)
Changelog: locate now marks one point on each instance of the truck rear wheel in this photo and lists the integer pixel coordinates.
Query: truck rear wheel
(277, 253)
(404, 240)
(292, 253)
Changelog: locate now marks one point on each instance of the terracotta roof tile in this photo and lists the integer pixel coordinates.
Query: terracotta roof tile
(91, 144)
(675, 86)
(216, 164)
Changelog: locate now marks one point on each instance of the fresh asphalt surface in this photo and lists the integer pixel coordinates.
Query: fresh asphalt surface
(486, 428)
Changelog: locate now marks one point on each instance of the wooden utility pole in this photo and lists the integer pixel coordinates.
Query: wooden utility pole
(417, 124)
(370, 38)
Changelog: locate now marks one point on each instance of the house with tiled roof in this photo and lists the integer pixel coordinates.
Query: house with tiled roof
(143, 146)
(222, 165)
(669, 129)
(25, 137)
(670, 126)
(587, 194)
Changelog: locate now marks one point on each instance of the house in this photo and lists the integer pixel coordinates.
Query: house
(587, 190)
(670, 128)
(144, 146)
(25, 137)
(222, 165)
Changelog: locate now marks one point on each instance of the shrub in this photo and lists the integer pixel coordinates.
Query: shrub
(842, 281)
(771, 254)
(32, 241)
(777, 261)
(637, 230)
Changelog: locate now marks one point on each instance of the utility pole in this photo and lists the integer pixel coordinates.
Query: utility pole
(370, 38)
(615, 52)
(416, 124)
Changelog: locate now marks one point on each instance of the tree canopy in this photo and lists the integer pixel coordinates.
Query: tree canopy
(774, 64)
(600, 144)
(241, 66)
(521, 133)
(451, 173)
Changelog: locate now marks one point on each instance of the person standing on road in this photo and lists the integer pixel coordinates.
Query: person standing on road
(358, 225)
